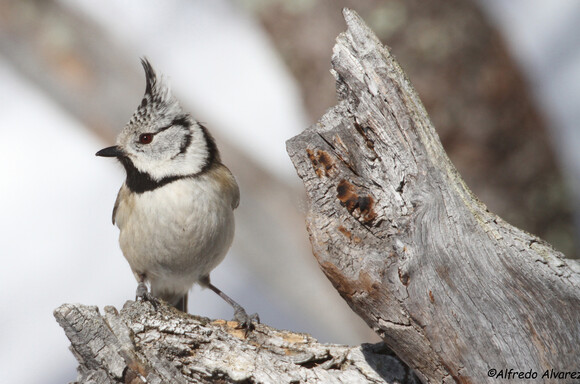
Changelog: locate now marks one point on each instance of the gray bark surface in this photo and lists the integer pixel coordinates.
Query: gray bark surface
(449, 286)
(142, 345)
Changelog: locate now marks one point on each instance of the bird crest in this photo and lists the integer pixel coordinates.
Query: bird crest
(158, 102)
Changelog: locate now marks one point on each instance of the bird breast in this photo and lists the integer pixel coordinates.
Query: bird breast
(184, 228)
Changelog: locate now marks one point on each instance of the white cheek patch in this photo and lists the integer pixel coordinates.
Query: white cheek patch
(166, 157)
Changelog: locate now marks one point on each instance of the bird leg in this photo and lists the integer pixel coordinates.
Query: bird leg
(240, 314)
(143, 293)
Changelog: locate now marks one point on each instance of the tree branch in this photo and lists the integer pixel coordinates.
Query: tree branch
(449, 286)
(141, 344)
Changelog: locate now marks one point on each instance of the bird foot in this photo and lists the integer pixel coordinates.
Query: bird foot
(143, 294)
(244, 321)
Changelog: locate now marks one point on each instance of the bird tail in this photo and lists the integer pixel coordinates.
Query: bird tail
(181, 303)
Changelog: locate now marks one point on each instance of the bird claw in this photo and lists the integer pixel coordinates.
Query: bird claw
(245, 321)
(142, 294)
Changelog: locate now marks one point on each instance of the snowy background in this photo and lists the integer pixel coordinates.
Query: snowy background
(56, 197)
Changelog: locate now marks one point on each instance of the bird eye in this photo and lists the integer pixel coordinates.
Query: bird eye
(145, 138)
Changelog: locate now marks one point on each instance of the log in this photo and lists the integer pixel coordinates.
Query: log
(451, 288)
(141, 344)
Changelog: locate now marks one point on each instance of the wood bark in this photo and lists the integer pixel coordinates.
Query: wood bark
(452, 288)
(141, 344)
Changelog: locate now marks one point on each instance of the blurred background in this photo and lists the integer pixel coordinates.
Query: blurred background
(499, 79)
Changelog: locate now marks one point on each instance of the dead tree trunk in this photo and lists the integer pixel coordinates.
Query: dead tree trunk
(454, 290)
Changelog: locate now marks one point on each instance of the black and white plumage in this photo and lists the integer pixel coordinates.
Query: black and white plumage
(175, 210)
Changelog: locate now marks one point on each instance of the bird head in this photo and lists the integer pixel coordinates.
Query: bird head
(161, 141)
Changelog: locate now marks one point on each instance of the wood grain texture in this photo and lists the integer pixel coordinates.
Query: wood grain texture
(142, 345)
(449, 286)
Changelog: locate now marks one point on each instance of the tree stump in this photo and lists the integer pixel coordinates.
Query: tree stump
(453, 289)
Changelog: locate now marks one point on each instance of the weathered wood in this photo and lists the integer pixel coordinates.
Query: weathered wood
(449, 286)
(141, 344)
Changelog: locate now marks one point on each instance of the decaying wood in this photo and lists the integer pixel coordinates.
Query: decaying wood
(142, 345)
(454, 290)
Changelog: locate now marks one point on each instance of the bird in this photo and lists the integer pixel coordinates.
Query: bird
(175, 210)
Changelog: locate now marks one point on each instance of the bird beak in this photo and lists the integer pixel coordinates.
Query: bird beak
(113, 151)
